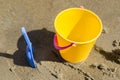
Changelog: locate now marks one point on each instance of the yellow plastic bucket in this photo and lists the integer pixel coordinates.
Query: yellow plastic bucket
(76, 32)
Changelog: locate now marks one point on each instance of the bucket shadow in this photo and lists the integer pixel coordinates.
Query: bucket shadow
(42, 41)
(113, 56)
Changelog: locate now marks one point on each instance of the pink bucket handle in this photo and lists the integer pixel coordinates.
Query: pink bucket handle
(58, 47)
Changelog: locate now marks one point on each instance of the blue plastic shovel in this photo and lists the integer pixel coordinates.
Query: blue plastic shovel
(29, 49)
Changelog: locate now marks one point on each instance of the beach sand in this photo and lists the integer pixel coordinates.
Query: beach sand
(38, 17)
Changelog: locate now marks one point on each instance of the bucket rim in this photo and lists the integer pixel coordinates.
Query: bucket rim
(80, 42)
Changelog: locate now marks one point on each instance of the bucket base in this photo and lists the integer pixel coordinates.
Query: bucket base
(67, 60)
(74, 62)
(64, 60)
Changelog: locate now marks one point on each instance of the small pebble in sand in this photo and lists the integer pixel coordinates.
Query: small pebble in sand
(94, 65)
(105, 30)
(87, 78)
(118, 60)
(12, 68)
(99, 66)
(102, 67)
(116, 43)
(113, 69)
(97, 48)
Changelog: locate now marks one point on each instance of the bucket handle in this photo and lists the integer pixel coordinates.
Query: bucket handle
(58, 47)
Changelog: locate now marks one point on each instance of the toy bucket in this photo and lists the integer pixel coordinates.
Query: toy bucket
(76, 32)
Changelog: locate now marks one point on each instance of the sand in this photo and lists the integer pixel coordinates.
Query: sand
(38, 17)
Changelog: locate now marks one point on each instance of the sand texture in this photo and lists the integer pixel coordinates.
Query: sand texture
(38, 17)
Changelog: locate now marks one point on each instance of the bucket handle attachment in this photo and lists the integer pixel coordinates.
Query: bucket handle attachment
(58, 47)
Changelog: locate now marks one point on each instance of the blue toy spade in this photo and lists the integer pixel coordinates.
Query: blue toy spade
(29, 49)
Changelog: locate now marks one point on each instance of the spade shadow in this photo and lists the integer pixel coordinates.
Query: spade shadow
(42, 42)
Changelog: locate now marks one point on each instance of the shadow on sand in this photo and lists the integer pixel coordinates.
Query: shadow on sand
(42, 41)
(113, 56)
